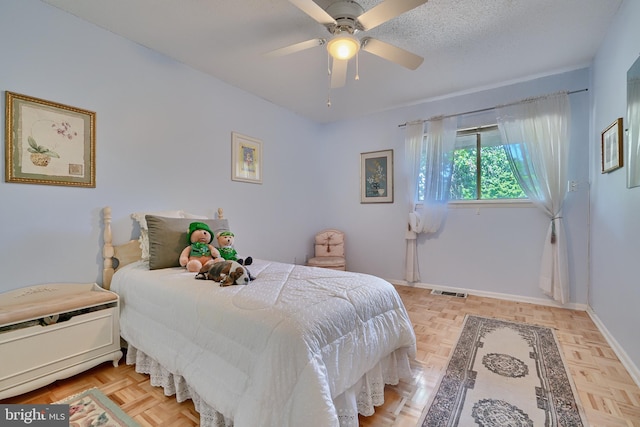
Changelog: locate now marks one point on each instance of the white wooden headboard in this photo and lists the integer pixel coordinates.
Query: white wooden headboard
(116, 256)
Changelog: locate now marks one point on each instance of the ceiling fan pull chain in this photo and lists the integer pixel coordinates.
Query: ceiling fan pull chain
(328, 80)
(357, 67)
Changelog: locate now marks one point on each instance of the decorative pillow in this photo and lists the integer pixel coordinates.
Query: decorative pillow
(139, 217)
(168, 237)
(192, 216)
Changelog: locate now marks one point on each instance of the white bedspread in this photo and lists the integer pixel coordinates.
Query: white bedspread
(276, 352)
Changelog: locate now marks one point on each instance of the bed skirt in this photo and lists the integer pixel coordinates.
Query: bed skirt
(361, 398)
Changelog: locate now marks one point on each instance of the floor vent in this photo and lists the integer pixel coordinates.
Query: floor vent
(449, 294)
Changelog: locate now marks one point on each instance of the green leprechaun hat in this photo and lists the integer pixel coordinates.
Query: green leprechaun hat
(199, 226)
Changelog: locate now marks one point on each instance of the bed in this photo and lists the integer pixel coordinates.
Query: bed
(296, 346)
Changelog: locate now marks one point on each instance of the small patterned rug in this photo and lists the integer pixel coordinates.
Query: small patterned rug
(504, 374)
(91, 408)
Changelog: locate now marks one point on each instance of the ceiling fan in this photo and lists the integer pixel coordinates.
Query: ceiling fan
(343, 19)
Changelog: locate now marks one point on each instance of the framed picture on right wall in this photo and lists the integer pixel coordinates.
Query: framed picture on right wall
(611, 146)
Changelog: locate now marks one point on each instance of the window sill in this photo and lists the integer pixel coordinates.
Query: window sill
(473, 204)
(462, 204)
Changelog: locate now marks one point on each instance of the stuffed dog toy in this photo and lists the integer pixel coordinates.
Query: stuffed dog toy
(226, 273)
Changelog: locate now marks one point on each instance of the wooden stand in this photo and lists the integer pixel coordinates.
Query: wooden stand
(51, 332)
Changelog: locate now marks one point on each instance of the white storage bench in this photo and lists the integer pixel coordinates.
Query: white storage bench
(50, 332)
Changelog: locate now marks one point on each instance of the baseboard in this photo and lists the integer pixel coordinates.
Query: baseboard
(633, 370)
(497, 295)
(631, 367)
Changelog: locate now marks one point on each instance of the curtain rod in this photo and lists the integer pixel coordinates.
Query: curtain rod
(482, 110)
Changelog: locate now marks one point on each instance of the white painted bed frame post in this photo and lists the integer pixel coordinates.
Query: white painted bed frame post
(107, 250)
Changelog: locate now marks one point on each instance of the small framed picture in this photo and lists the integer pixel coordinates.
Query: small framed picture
(376, 177)
(611, 142)
(49, 143)
(246, 158)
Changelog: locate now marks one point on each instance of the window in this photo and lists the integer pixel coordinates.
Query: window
(481, 168)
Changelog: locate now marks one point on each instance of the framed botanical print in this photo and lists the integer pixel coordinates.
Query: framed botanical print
(376, 177)
(611, 146)
(49, 143)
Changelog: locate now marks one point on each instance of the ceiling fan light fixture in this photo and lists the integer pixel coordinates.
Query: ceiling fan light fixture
(343, 46)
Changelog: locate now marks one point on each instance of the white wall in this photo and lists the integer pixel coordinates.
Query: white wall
(615, 210)
(163, 141)
(489, 249)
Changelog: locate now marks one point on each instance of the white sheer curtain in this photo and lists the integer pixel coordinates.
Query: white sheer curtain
(436, 149)
(412, 153)
(536, 134)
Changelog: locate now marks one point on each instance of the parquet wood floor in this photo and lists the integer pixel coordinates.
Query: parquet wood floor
(608, 394)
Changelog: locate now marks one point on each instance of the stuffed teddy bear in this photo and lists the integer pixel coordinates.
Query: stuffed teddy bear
(200, 253)
(227, 251)
(226, 273)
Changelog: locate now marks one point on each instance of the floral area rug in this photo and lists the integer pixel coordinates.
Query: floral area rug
(92, 408)
(504, 374)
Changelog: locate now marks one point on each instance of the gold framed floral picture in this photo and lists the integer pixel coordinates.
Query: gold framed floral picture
(376, 177)
(611, 146)
(48, 143)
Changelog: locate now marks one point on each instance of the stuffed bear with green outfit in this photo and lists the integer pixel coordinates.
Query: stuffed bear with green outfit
(227, 251)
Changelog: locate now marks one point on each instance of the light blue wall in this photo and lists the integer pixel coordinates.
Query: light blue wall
(162, 127)
(163, 142)
(490, 249)
(615, 210)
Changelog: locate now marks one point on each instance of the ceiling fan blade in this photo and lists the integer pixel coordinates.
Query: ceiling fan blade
(385, 11)
(392, 53)
(312, 9)
(287, 50)
(339, 73)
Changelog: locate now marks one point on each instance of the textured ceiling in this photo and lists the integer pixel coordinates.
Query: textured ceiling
(467, 44)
